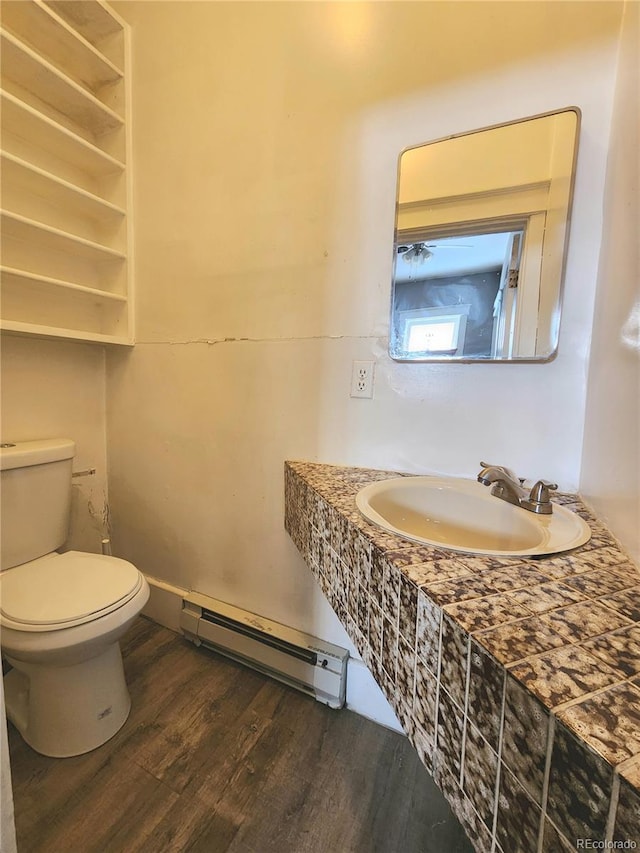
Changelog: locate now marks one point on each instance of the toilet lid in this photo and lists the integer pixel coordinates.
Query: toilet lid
(63, 590)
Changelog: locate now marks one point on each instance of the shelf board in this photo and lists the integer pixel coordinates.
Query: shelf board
(49, 35)
(59, 192)
(22, 228)
(23, 277)
(24, 67)
(40, 331)
(29, 124)
(90, 18)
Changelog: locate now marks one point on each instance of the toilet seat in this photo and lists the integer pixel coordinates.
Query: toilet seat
(60, 591)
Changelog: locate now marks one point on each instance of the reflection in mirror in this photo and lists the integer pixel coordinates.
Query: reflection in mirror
(481, 226)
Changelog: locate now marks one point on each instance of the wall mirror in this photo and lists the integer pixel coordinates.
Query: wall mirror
(482, 220)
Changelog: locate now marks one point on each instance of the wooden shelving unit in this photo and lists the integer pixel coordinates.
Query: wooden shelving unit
(66, 229)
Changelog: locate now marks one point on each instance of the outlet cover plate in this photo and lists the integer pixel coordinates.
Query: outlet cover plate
(362, 374)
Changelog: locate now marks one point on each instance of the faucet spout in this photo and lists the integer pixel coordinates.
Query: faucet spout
(498, 473)
(509, 487)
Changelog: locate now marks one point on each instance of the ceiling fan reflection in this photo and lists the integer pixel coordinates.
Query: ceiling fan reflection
(421, 252)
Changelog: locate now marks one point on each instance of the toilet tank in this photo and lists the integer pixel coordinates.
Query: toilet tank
(35, 495)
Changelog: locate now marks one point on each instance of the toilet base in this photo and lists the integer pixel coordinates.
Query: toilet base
(62, 711)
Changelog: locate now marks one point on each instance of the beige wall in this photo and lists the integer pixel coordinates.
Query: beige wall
(507, 156)
(54, 389)
(610, 478)
(266, 143)
(267, 138)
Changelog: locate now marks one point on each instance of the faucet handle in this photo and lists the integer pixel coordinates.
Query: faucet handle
(540, 492)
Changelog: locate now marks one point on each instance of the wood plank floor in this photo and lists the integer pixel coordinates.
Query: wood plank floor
(215, 757)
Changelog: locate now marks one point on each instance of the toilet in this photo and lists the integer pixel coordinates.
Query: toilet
(61, 614)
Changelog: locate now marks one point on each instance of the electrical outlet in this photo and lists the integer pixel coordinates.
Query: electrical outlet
(362, 379)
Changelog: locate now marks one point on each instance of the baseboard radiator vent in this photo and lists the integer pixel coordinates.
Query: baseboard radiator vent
(293, 657)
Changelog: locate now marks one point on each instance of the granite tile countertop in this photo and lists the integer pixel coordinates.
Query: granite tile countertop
(565, 628)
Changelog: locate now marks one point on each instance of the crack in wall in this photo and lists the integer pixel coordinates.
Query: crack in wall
(236, 340)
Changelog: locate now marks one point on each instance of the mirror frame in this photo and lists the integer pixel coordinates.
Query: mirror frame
(558, 298)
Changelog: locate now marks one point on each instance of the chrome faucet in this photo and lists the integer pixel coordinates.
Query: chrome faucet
(509, 487)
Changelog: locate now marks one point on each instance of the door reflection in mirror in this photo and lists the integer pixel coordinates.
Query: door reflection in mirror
(481, 226)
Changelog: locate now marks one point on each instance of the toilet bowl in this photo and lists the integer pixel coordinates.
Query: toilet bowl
(61, 614)
(61, 619)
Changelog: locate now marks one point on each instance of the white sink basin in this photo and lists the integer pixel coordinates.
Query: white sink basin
(448, 512)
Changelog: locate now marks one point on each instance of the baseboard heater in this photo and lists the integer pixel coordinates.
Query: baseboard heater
(293, 657)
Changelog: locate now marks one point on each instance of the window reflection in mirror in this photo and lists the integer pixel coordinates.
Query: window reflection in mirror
(481, 229)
